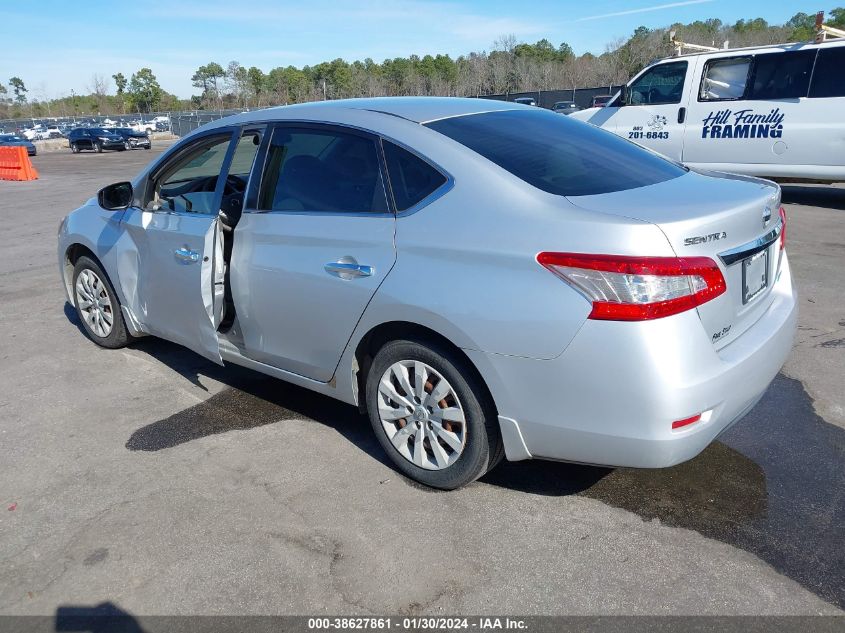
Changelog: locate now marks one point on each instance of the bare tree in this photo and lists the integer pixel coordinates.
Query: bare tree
(99, 88)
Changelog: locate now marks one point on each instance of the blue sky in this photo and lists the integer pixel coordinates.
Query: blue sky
(60, 44)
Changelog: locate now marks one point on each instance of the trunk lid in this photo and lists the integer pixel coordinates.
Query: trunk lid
(719, 216)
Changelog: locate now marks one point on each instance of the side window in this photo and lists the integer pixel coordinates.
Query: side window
(321, 170)
(724, 79)
(244, 154)
(782, 75)
(188, 185)
(411, 178)
(827, 75)
(660, 85)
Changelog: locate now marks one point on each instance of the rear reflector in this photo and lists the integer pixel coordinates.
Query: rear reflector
(677, 424)
(623, 288)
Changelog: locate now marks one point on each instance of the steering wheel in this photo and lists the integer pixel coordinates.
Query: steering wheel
(234, 185)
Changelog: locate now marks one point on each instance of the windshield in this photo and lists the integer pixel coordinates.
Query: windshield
(557, 154)
(9, 137)
(99, 130)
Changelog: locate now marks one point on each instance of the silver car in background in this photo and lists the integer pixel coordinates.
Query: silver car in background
(484, 279)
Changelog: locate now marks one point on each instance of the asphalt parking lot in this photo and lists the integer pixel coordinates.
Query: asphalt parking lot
(152, 479)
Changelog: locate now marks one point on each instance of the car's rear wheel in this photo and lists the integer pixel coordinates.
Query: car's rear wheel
(431, 415)
(99, 148)
(97, 305)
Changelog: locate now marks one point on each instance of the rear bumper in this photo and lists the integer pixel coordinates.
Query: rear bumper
(612, 395)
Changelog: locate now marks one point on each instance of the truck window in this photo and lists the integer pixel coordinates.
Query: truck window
(661, 85)
(782, 75)
(827, 75)
(724, 79)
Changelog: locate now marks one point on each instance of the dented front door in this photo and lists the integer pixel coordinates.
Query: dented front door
(171, 255)
(178, 290)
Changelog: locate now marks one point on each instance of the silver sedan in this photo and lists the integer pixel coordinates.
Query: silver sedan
(484, 279)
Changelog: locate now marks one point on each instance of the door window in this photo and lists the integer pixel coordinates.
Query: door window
(827, 75)
(661, 85)
(411, 178)
(724, 79)
(188, 186)
(309, 169)
(782, 75)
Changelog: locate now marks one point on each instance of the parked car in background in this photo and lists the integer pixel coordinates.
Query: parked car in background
(599, 101)
(526, 101)
(615, 308)
(131, 138)
(13, 140)
(51, 131)
(565, 107)
(94, 138)
(771, 111)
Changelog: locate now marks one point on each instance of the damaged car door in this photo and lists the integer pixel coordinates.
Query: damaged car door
(171, 263)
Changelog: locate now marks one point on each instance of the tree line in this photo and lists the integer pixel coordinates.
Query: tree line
(509, 66)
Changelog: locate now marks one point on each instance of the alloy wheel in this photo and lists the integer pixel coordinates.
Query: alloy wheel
(94, 303)
(421, 415)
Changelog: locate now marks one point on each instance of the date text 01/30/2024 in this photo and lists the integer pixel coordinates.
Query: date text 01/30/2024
(419, 623)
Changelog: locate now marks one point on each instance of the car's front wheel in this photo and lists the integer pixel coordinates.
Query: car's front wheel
(97, 305)
(431, 415)
(74, 148)
(126, 145)
(99, 148)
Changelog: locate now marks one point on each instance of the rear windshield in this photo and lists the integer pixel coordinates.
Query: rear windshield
(557, 154)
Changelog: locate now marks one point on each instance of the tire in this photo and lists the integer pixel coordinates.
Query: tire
(99, 148)
(481, 447)
(117, 335)
(149, 146)
(74, 148)
(126, 145)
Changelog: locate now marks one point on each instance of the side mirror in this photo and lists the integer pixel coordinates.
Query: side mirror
(115, 197)
(624, 96)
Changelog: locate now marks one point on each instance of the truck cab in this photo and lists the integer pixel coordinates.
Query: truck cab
(773, 111)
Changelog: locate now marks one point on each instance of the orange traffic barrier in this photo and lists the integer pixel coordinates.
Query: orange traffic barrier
(15, 164)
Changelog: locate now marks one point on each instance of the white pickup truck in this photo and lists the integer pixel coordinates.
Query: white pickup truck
(773, 111)
(152, 125)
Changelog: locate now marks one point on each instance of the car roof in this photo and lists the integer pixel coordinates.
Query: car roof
(416, 109)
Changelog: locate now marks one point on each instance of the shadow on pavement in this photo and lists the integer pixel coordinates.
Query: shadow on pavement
(773, 485)
(102, 618)
(250, 400)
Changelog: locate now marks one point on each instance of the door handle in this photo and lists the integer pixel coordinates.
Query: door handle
(348, 268)
(186, 255)
(682, 114)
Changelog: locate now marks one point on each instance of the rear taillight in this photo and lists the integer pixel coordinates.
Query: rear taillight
(638, 288)
(783, 228)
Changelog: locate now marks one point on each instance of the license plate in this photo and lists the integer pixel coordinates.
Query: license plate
(755, 275)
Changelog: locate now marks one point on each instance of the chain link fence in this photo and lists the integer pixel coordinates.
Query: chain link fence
(583, 97)
(181, 123)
